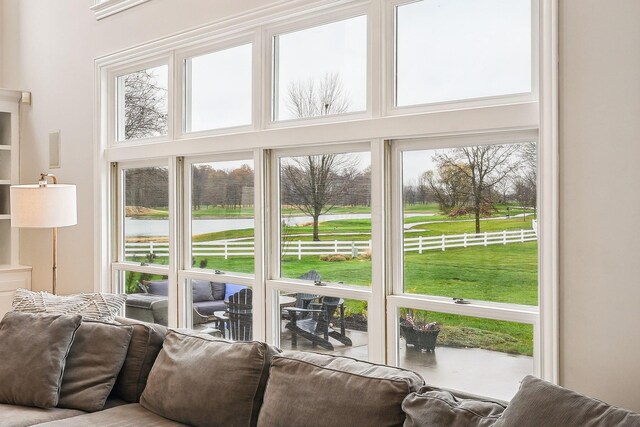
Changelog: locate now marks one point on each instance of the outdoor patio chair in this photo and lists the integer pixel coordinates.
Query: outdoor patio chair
(240, 312)
(303, 299)
(316, 326)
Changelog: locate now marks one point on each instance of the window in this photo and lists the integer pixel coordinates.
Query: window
(325, 216)
(143, 104)
(146, 215)
(222, 216)
(470, 222)
(450, 50)
(321, 71)
(300, 203)
(218, 89)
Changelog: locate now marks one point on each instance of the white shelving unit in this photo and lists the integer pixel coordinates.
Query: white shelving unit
(12, 274)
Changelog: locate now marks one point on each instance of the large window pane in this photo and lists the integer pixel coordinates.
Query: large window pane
(222, 216)
(146, 215)
(449, 50)
(148, 296)
(321, 70)
(218, 89)
(143, 103)
(481, 356)
(325, 217)
(333, 325)
(470, 228)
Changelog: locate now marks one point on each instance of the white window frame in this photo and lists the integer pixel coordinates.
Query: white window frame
(182, 87)
(391, 63)
(115, 111)
(340, 13)
(378, 126)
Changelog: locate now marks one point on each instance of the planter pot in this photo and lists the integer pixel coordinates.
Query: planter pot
(420, 340)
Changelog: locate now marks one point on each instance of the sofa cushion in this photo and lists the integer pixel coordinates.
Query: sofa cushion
(95, 306)
(146, 343)
(33, 351)
(432, 407)
(157, 287)
(131, 415)
(231, 289)
(540, 403)
(207, 308)
(201, 290)
(320, 390)
(96, 356)
(218, 290)
(230, 394)
(22, 416)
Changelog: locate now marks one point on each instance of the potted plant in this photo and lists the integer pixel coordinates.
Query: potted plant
(417, 331)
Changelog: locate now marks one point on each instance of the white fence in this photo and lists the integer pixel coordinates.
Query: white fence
(300, 248)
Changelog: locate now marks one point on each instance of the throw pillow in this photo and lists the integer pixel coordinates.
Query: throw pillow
(94, 306)
(231, 289)
(308, 389)
(540, 403)
(231, 392)
(218, 290)
(96, 356)
(201, 290)
(33, 351)
(157, 287)
(146, 343)
(431, 407)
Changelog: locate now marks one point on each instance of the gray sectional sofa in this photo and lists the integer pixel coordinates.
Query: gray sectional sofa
(151, 303)
(170, 378)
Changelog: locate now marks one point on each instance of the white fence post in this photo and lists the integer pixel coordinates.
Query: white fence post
(226, 246)
(419, 244)
(485, 238)
(522, 236)
(354, 250)
(151, 247)
(335, 243)
(504, 237)
(443, 242)
(299, 249)
(464, 240)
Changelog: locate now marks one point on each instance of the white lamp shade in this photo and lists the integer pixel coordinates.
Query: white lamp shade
(49, 206)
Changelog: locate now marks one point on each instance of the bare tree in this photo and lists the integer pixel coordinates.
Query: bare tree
(450, 187)
(145, 106)
(525, 182)
(483, 166)
(317, 98)
(315, 184)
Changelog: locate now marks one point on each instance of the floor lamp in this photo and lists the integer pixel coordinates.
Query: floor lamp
(44, 206)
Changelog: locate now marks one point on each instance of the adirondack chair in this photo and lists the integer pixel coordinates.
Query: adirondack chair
(303, 299)
(240, 312)
(316, 326)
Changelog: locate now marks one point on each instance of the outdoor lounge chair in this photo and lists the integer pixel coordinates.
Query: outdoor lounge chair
(240, 312)
(316, 326)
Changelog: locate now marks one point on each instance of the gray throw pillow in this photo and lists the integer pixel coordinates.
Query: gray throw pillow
(540, 403)
(96, 356)
(33, 351)
(201, 290)
(431, 407)
(146, 343)
(218, 290)
(93, 306)
(229, 394)
(308, 389)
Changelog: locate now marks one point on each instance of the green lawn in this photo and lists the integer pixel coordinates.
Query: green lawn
(498, 273)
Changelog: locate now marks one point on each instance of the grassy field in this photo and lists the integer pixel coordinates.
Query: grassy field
(498, 273)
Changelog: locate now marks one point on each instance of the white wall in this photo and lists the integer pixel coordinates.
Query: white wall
(49, 47)
(600, 198)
